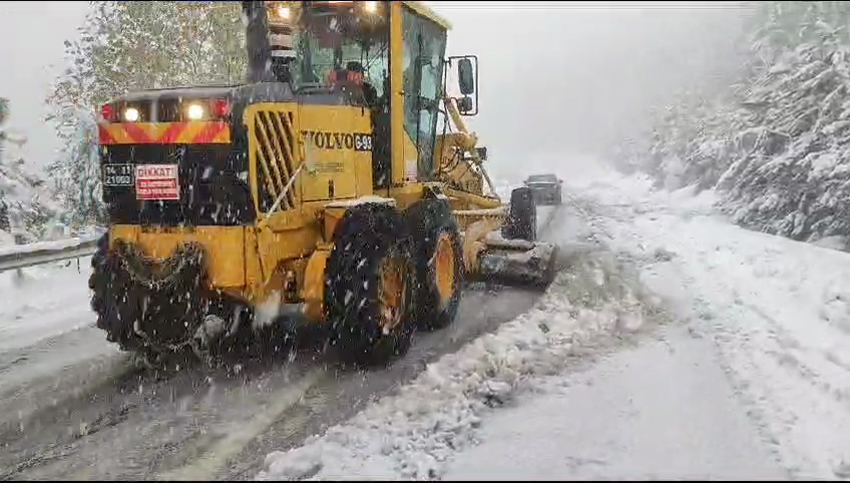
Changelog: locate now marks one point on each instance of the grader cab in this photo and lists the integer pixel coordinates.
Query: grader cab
(337, 188)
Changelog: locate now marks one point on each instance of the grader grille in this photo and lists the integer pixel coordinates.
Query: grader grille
(273, 139)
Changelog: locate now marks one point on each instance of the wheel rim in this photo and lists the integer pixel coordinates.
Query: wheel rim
(444, 268)
(391, 293)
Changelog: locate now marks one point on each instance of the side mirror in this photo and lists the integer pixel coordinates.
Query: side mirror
(482, 153)
(466, 76)
(464, 104)
(560, 181)
(467, 79)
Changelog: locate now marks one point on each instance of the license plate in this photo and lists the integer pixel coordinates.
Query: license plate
(158, 182)
(118, 175)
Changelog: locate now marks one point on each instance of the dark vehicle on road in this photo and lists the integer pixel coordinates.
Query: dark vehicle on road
(546, 188)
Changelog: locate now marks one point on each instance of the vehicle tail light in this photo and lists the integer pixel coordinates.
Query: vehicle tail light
(220, 108)
(109, 113)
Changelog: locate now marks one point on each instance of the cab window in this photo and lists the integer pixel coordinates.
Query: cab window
(424, 45)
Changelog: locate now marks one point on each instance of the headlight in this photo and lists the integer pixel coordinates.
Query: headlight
(131, 114)
(283, 12)
(370, 7)
(195, 112)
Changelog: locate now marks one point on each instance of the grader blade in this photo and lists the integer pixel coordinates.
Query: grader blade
(492, 258)
(517, 262)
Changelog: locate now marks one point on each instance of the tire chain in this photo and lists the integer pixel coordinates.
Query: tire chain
(138, 268)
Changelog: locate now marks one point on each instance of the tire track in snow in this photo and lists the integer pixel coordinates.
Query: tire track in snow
(210, 462)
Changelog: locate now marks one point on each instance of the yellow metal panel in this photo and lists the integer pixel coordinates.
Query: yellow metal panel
(471, 201)
(313, 288)
(224, 247)
(253, 268)
(396, 96)
(473, 241)
(364, 184)
(290, 220)
(407, 194)
(334, 138)
(331, 218)
(275, 247)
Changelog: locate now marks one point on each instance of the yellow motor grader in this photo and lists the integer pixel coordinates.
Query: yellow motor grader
(337, 188)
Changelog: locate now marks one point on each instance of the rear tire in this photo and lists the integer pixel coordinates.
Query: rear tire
(521, 222)
(438, 256)
(106, 292)
(370, 250)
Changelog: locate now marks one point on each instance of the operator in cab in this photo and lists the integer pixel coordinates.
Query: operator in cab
(342, 48)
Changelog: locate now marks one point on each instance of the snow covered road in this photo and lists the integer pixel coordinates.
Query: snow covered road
(661, 410)
(48, 343)
(44, 302)
(675, 345)
(776, 310)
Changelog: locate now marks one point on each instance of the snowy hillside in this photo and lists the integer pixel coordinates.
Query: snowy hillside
(776, 144)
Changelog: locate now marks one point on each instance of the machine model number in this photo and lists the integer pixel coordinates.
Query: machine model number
(338, 140)
(362, 142)
(118, 175)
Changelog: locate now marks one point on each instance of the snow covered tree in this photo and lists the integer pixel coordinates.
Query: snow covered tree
(778, 144)
(24, 205)
(5, 223)
(126, 46)
(794, 180)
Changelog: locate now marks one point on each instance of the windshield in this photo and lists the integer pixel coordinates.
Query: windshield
(542, 178)
(339, 40)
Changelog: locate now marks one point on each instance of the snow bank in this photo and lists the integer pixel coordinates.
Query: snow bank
(777, 310)
(43, 302)
(412, 434)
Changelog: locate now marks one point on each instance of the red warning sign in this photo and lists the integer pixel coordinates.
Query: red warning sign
(157, 182)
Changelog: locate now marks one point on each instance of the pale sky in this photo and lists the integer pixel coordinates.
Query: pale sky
(557, 79)
(31, 55)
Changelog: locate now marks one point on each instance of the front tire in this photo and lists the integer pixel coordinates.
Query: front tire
(439, 262)
(369, 286)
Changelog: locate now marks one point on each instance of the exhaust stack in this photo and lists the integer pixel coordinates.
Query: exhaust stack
(256, 23)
